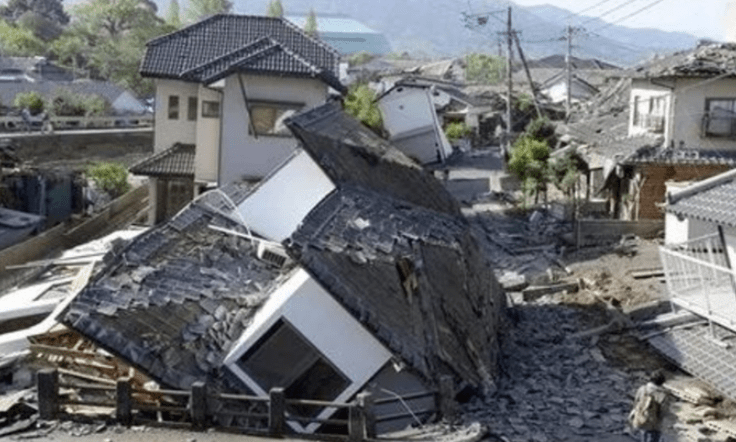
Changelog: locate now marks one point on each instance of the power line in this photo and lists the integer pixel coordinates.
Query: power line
(631, 15)
(587, 9)
(616, 8)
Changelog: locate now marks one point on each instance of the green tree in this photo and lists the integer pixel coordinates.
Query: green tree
(19, 41)
(529, 163)
(485, 69)
(32, 100)
(110, 177)
(173, 16)
(310, 26)
(52, 10)
(67, 103)
(359, 58)
(201, 9)
(457, 130)
(361, 103)
(275, 9)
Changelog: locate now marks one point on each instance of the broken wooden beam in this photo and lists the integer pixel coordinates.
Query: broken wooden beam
(647, 273)
(534, 292)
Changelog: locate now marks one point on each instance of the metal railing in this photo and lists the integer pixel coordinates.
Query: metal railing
(699, 279)
(13, 123)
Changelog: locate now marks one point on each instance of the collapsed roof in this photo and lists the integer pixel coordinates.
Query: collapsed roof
(389, 245)
(708, 60)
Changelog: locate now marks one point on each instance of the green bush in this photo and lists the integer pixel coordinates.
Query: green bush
(457, 130)
(359, 58)
(32, 100)
(361, 103)
(485, 69)
(112, 178)
(68, 104)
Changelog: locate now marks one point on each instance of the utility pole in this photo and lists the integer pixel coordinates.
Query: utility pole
(510, 79)
(568, 69)
(528, 75)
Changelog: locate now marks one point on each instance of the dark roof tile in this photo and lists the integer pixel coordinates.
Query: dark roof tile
(176, 161)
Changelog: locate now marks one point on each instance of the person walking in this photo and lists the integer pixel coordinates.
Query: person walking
(25, 114)
(649, 403)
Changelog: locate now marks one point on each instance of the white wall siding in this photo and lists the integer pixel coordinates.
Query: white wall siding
(168, 132)
(208, 138)
(644, 90)
(242, 155)
(277, 207)
(690, 109)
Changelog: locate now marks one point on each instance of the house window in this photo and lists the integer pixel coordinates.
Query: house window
(173, 107)
(720, 117)
(192, 109)
(284, 358)
(649, 113)
(268, 117)
(210, 109)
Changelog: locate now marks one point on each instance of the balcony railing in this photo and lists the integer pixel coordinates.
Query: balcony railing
(699, 279)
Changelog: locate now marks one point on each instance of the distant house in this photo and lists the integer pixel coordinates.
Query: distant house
(410, 117)
(345, 34)
(225, 85)
(556, 88)
(32, 69)
(348, 269)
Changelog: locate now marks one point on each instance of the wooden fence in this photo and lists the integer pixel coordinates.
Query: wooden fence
(195, 406)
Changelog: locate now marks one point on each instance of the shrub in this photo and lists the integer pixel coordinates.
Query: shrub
(457, 130)
(361, 104)
(69, 104)
(32, 100)
(112, 178)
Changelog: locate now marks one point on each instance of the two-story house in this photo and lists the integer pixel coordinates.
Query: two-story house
(688, 100)
(223, 89)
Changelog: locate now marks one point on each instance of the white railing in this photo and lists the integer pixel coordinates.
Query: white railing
(699, 279)
(11, 123)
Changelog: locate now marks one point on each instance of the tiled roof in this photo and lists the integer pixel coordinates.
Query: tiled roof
(657, 155)
(706, 61)
(175, 300)
(215, 47)
(712, 200)
(353, 243)
(176, 161)
(351, 155)
(108, 90)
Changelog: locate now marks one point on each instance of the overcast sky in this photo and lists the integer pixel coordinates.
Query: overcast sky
(702, 18)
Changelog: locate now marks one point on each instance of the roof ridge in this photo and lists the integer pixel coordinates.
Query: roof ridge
(313, 39)
(229, 54)
(701, 186)
(203, 22)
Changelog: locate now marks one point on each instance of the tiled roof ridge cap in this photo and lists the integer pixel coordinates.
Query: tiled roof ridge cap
(317, 41)
(232, 53)
(701, 186)
(205, 22)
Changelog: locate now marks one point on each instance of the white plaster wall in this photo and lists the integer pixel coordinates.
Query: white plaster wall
(645, 90)
(242, 155)
(168, 132)
(690, 108)
(409, 110)
(405, 109)
(326, 324)
(208, 138)
(676, 231)
(277, 207)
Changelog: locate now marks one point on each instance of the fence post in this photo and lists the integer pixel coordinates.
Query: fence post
(48, 394)
(276, 409)
(365, 401)
(123, 402)
(198, 405)
(356, 423)
(447, 398)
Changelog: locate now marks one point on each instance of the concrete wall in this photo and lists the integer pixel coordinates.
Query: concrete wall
(679, 231)
(207, 155)
(644, 90)
(242, 155)
(595, 231)
(690, 108)
(277, 207)
(168, 132)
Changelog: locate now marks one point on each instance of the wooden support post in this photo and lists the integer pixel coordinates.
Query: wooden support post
(365, 401)
(356, 423)
(277, 412)
(448, 406)
(198, 405)
(48, 394)
(123, 402)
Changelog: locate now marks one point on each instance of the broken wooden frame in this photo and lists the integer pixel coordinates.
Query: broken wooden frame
(361, 421)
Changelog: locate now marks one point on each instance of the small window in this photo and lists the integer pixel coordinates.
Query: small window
(210, 109)
(720, 117)
(173, 107)
(268, 118)
(192, 109)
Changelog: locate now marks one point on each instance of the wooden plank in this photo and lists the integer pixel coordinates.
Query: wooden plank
(647, 273)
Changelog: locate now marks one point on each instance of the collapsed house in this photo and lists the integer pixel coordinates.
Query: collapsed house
(348, 248)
